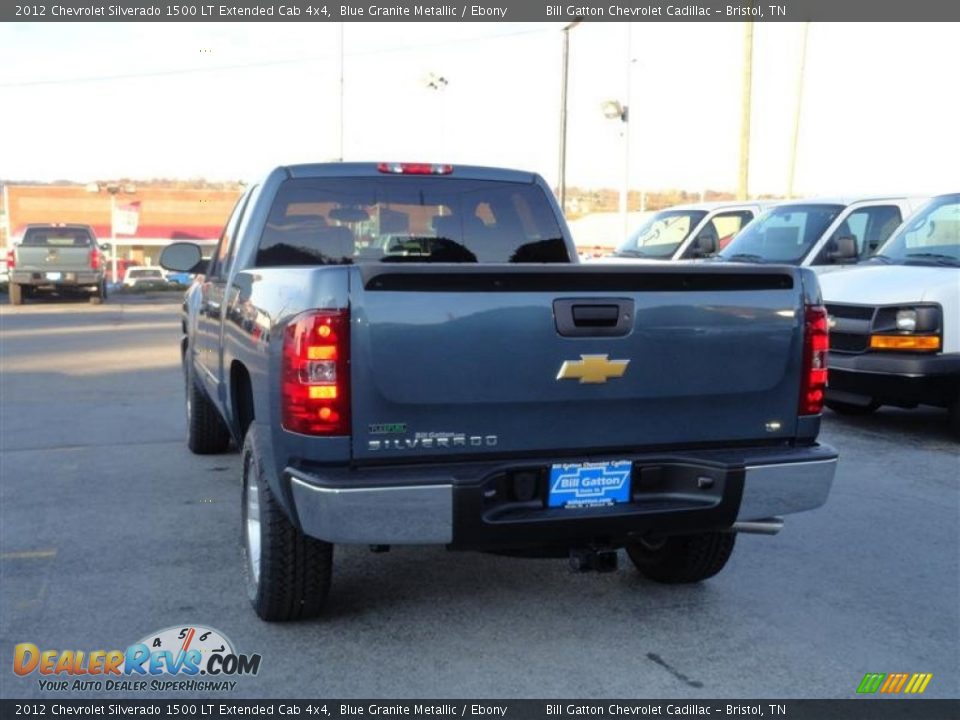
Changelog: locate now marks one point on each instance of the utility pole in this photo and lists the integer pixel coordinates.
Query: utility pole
(564, 76)
(625, 189)
(340, 141)
(797, 112)
(742, 184)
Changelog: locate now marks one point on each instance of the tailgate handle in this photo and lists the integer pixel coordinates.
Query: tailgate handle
(596, 315)
(593, 317)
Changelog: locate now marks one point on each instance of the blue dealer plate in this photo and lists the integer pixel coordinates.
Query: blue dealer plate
(589, 484)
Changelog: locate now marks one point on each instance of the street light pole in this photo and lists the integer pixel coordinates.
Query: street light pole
(797, 111)
(113, 233)
(564, 76)
(745, 108)
(340, 141)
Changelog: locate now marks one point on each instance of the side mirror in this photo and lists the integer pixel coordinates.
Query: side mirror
(705, 245)
(183, 257)
(844, 249)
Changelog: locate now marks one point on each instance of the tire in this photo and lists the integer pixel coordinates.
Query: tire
(207, 433)
(100, 294)
(16, 294)
(683, 558)
(955, 419)
(287, 574)
(842, 408)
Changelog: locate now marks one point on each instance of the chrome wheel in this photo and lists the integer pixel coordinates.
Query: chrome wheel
(251, 521)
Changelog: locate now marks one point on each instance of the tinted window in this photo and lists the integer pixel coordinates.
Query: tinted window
(409, 219)
(784, 234)
(57, 237)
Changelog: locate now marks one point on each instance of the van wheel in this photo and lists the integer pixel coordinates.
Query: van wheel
(287, 573)
(842, 408)
(16, 294)
(207, 433)
(955, 418)
(683, 558)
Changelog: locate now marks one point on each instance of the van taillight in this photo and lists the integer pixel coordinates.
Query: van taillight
(315, 398)
(816, 342)
(11, 259)
(95, 258)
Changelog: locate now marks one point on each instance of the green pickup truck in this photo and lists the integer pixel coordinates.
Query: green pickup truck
(59, 258)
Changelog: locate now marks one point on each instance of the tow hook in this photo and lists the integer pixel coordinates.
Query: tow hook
(585, 559)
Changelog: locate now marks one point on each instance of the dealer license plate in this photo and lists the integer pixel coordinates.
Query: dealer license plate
(591, 484)
(54, 276)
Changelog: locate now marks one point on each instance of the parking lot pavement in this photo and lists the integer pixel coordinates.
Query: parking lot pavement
(110, 529)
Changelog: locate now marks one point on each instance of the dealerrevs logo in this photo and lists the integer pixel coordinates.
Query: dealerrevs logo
(181, 652)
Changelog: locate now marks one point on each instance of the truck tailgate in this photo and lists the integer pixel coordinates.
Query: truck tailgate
(52, 258)
(455, 360)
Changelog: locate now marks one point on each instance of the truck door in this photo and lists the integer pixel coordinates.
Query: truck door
(206, 343)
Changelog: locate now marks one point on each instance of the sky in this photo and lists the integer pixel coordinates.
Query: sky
(229, 101)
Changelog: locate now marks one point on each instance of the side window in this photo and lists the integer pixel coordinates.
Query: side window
(220, 263)
(869, 227)
(729, 225)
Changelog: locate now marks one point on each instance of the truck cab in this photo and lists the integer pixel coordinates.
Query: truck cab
(687, 232)
(822, 234)
(895, 320)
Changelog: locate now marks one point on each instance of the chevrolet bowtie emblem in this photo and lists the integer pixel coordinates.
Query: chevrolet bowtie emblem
(592, 369)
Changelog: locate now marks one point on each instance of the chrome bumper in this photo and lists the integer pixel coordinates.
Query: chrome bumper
(414, 514)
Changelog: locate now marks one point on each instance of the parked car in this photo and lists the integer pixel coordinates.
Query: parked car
(145, 278)
(823, 234)
(487, 391)
(179, 279)
(57, 258)
(686, 232)
(895, 320)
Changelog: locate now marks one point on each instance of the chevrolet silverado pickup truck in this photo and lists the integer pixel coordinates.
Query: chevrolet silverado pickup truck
(895, 321)
(57, 258)
(410, 354)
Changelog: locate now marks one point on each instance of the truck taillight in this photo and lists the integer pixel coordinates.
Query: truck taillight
(95, 258)
(11, 259)
(816, 342)
(315, 398)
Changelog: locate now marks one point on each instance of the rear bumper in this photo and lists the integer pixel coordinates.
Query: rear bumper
(67, 277)
(895, 378)
(476, 505)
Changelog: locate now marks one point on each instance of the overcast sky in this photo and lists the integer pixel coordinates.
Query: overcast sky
(227, 101)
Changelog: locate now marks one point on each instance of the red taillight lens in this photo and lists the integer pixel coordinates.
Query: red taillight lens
(316, 373)
(414, 168)
(816, 342)
(11, 259)
(95, 259)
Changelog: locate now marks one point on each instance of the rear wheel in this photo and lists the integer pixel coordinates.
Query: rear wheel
(842, 408)
(100, 294)
(16, 294)
(683, 558)
(207, 433)
(287, 573)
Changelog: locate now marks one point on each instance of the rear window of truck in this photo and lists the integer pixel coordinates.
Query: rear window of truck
(56, 237)
(409, 219)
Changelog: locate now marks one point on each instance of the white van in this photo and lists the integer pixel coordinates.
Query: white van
(686, 232)
(895, 320)
(823, 234)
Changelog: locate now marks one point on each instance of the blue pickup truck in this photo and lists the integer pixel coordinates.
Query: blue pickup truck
(411, 354)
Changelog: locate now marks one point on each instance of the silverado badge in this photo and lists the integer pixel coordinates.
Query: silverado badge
(592, 369)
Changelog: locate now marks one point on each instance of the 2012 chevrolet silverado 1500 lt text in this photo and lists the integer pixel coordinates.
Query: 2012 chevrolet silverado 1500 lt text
(410, 353)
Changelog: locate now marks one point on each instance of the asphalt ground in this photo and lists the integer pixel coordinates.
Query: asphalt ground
(110, 530)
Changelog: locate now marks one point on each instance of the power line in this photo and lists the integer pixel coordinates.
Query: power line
(268, 63)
